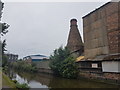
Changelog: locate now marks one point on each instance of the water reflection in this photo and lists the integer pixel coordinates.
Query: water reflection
(20, 79)
(35, 84)
(34, 81)
(39, 80)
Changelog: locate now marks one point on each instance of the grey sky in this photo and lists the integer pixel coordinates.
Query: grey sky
(39, 28)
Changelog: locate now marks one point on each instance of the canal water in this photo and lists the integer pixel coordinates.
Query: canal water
(40, 80)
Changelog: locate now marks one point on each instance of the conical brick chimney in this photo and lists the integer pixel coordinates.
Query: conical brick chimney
(74, 44)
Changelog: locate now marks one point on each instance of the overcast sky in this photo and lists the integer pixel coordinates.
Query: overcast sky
(39, 28)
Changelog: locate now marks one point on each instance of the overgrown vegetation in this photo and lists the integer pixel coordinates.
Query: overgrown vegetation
(6, 82)
(63, 64)
(24, 85)
(4, 61)
(19, 86)
(23, 66)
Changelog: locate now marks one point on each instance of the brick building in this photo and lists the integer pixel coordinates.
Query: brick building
(12, 57)
(101, 29)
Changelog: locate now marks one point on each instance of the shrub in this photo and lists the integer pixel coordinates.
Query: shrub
(23, 66)
(24, 85)
(4, 61)
(69, 69)
(63, 64)
(15, 81)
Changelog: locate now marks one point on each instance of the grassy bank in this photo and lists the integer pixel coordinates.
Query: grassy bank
(12, 84)
(7, 83)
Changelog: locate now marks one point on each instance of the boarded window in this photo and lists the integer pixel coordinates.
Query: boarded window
(95, 65)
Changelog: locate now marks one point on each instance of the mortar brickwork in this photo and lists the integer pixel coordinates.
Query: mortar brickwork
(74, 44)
(101, 29)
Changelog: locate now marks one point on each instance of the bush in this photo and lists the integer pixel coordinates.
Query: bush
(22, 86)
(15, 81)
(68, 68)
(63, 64)
(4, 61)
(57, 58)
(23, 66)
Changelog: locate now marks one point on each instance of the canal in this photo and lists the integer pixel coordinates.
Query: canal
(40, 80)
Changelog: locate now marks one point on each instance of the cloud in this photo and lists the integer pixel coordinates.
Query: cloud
(39, 28)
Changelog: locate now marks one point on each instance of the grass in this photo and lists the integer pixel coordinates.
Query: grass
(7, 83)
(0, 79)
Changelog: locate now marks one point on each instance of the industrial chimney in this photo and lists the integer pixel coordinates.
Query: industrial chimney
(74, 43)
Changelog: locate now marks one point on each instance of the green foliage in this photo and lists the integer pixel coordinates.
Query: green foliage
(57, 58)
(3, 32)
(15, 81)
(69, 68)
(63, 64)
(7, 82)
(4, 28)
(4, 60)
(24, 85)
(5, 68)
(23, 66)
(3, 46)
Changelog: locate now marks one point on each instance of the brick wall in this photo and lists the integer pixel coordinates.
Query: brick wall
(113, 78)
(100, 28)
(119, 28)
(42, 64)
(74, 43)
(112, 26)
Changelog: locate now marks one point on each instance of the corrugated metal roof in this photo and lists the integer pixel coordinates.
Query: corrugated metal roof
(37, 56)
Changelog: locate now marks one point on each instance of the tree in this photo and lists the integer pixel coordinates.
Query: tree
(4, 28)
(4, 60)
(69, 69)
(3, 47)
(3, 31)
(4, 57)
(63, 64)
(57, 58)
